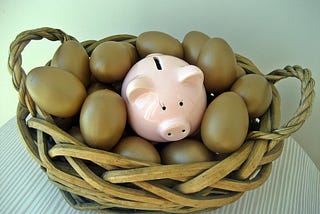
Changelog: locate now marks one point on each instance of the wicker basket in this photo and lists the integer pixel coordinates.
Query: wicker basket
(94, 179)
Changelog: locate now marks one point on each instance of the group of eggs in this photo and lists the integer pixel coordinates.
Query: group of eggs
(81, 92)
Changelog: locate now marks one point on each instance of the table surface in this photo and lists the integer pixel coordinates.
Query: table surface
(293, 186)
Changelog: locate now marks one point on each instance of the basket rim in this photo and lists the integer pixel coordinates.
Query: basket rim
(255, 156)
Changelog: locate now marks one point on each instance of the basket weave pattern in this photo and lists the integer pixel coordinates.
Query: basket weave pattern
(95, 179)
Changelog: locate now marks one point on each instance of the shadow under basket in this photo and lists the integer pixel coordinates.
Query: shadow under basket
(99, 180)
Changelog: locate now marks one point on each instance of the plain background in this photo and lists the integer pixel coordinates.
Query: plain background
(271, 33)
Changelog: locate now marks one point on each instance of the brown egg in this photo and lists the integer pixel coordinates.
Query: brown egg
(56, 91)
(158, 42)
(192, 44)
(132, 52)
(71, 56)
(137, 148)
(110, 61)
(218, 63)
(225, 123)
(103, 119)
(185, 151)
(256, 92)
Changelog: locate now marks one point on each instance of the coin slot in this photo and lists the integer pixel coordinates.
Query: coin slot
(157, 61)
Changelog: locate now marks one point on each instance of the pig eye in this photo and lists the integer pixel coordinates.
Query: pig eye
(181, 103)
(163, 107)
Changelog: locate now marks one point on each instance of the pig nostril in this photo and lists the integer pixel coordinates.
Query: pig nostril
(183, 130)
(169, 134)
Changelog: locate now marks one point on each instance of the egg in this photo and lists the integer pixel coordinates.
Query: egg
(256, 92)
(55, 91)
(158, 42)
(137, 148)
(185, 151)
(132, 52)
(192, 44)
(110, 61)
(71, 56)
(225, 123)
(103, 119)
(218, 63)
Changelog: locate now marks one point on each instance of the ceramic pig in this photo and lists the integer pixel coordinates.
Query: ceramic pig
(165, 98)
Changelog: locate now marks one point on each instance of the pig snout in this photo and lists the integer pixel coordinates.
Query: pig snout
(175, 129)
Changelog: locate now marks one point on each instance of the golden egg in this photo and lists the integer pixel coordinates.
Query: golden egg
(71, 56)
(103, 119)
(185, 151)
(192, 44)
(56, 91)
(137, 148)
(110, 61)
(256, 92)
(132, 52)
(225, 123)
(218, 63)
(158, 42)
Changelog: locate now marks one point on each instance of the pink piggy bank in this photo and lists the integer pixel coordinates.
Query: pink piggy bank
(165, 98)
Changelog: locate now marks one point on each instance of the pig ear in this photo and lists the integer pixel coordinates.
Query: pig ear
(191, 74)
(138, 87)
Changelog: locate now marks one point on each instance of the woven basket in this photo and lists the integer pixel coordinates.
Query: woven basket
(94, 179)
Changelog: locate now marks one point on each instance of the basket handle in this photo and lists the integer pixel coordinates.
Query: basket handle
(303, 110)
(15, 58)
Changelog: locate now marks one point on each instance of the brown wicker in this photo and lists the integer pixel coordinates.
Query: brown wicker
(95, 179)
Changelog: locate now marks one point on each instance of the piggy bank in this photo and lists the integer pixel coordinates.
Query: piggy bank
(165, 98)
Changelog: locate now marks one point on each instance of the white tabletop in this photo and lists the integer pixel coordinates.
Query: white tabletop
(293, 186)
